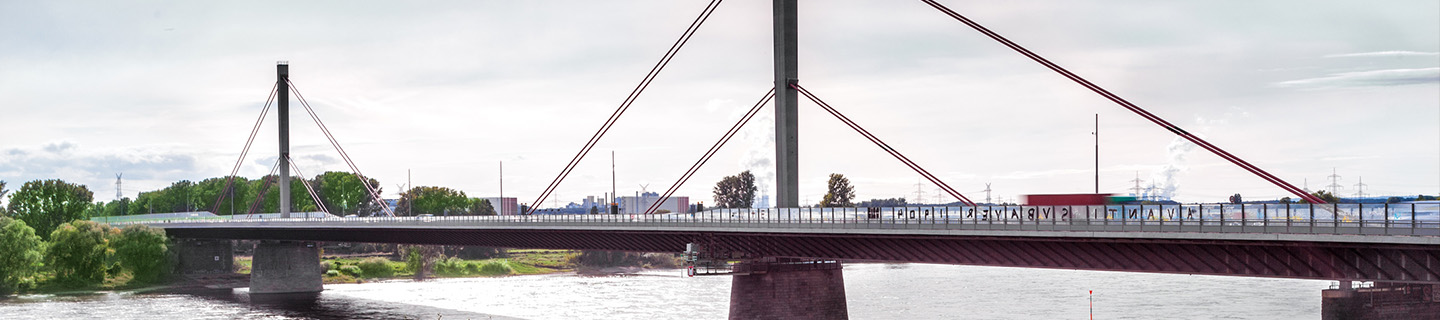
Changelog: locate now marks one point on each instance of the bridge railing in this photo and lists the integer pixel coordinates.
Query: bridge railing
(1419, 219)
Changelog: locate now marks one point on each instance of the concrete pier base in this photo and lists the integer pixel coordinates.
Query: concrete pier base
(203, 256)
(770, 289)
(1381, 301)
(286, 267)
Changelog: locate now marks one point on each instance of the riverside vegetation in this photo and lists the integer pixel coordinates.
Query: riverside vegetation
(509, 262)
(80, 255)
(47, 243)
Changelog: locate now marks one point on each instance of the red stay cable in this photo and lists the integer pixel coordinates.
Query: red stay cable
(230, 180)
(711, 153)
(876, 140)
(625, 105)
(1130, 106)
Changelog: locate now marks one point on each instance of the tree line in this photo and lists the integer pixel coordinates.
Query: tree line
(738, 191)
(340, 193)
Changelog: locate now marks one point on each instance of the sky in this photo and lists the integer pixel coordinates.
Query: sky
(440, 93)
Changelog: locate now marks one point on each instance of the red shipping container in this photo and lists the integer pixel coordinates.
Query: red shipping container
(1077, 199)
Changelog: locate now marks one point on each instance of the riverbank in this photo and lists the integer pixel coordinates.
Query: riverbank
(363, 268)
(375, 267)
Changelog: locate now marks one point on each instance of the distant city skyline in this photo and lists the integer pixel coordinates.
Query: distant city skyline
(447, 90)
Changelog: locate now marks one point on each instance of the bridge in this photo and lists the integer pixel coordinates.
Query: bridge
(1350, 242)
(786, 262)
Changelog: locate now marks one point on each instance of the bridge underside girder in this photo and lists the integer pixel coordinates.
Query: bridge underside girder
(1280, 259)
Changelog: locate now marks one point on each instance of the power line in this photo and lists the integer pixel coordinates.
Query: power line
(1360, 187)
(1135, 191)
(118, 194)
(1334, 183)
(919, 192)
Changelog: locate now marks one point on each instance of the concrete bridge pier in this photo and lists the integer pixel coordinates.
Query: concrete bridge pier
(286, 267)
(1382, 301)
(788, 289)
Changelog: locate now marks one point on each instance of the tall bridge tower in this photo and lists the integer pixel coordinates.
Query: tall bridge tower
(787, 114)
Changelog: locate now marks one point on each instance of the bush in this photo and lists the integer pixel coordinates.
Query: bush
(450, 267)
(142, 250)
(20, 255)
(327, 265)
(472, 268)
(78, 252)
(661, 260)
(332, 273)
(353, 271)
(376, 268)
(496, 267)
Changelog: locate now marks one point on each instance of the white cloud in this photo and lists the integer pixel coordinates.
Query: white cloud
(144, 167)
(1396, 53)
(1388, 77)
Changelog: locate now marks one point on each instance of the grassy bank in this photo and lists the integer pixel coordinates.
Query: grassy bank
(46, 284)
(518, 262)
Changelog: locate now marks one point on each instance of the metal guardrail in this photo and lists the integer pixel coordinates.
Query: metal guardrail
(1413, 219)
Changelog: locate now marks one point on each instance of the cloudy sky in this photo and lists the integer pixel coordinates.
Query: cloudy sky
(446, 90)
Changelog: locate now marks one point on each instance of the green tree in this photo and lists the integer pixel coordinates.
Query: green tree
(344, 193)
(96, 209)
(737, 191)
(434, 201)
(78, 252)
(892, 202)
(840, 192)
(300, 200)
(1329, 198)
(118, 208)
(45, 204)
(141, 250)
(482, 207)
(420, 259)
(180, 196)
(209, 190)
(20, 255)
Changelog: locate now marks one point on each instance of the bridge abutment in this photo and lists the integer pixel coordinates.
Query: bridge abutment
(286, 267)
(203, 256)
(770, 289)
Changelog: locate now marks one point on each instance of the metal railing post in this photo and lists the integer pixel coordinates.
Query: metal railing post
(1264, 218)
(1289, 217)
(1335, 217)
(1202, 216)
(1311, 208)
(1360, 216)
(1222, 217)
(1244, 217)
(1124, 219)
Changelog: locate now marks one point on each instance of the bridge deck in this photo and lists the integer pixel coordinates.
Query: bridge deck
(1339, 249)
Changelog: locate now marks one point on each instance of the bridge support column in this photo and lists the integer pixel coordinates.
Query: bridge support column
(771, 289)
(203, 256)
(286, 267)
(1382, 301)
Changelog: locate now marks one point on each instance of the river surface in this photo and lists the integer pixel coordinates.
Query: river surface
(873, 291)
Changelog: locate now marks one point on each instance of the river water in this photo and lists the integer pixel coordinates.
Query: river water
(873, 291)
